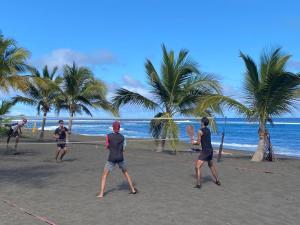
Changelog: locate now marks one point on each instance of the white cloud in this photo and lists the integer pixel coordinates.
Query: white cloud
(233, 92)
(60, 57)
(295, 64)
(130, 81)
(130, 84)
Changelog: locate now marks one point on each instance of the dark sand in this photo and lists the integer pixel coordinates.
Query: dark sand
(66, 192)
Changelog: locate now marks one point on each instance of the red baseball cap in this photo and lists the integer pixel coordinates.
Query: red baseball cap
(116, 126)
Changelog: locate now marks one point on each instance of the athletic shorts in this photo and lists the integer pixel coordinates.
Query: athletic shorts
(206, 156)
(13, 133)
(61, 144)
(110, 165)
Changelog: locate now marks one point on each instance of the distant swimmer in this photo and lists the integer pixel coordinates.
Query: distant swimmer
(206, 155)
(60, 135)
(115, 143)
(15, 131)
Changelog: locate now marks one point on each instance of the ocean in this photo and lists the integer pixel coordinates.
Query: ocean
(239, 133)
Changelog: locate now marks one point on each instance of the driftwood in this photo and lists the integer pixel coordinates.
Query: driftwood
(257, 170)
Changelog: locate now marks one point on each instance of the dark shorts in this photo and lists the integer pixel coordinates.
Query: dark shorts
(13, 133)
(61, 144)
(206, 155)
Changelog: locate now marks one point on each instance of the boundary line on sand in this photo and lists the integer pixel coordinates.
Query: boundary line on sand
(43, 219)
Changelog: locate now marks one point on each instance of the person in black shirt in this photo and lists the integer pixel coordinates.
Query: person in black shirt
(60, 135)
(204, 138)
(115, 142)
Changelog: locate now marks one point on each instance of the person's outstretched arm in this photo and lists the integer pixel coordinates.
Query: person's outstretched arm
(198, 138)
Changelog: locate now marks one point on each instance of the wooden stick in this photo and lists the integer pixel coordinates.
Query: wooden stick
(221, 148)
(244, 168)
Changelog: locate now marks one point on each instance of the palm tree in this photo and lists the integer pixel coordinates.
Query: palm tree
(5, 107)
(43, 91)
(270, 91)
(176, 91)
(46, 74)
(297, 93)
(81, 92)
(12, 63)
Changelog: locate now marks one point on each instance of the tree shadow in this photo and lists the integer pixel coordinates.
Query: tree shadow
(36, 176)
(12, 152)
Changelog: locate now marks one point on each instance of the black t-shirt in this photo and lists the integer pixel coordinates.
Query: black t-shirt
(115, 142)
(61, 132)
(206, 139)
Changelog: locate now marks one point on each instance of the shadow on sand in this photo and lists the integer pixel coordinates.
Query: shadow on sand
(121, 187)
(36, 176)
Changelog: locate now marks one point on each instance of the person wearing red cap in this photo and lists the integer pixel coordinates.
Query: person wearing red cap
(115, 142)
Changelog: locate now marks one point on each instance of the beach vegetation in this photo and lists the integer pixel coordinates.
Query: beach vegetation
(270, 90)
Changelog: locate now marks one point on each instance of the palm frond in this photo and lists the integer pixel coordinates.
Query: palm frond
(252, 82)
(124, 96)
(205, 82)
(156, 126)
(5, 107)
(107, 106)
(223, 101)
(12, 63)
(24, 100)
(158, 89)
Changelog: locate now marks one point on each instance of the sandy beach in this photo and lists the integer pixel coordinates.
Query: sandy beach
(65, 193)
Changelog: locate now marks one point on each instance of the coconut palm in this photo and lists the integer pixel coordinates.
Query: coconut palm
(82, 92)
(270, 91)
(42, 91)
(5, 107)
(46, 73)
(297, 93)
(12, 63)
(176, 91)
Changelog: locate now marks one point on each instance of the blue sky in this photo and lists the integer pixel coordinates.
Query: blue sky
(115, 37)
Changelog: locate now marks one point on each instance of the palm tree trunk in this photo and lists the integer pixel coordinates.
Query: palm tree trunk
(70, 122)
(161, 143)
(43, 126)
(259, 154)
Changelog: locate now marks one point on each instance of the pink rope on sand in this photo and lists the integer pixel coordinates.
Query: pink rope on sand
(43, 219)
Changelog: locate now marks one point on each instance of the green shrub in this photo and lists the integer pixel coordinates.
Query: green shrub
(4, 131)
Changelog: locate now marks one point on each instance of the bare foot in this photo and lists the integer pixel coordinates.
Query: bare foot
(100, 196)
(135, 191)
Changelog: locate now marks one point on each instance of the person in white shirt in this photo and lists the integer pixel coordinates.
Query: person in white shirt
(15, 131)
